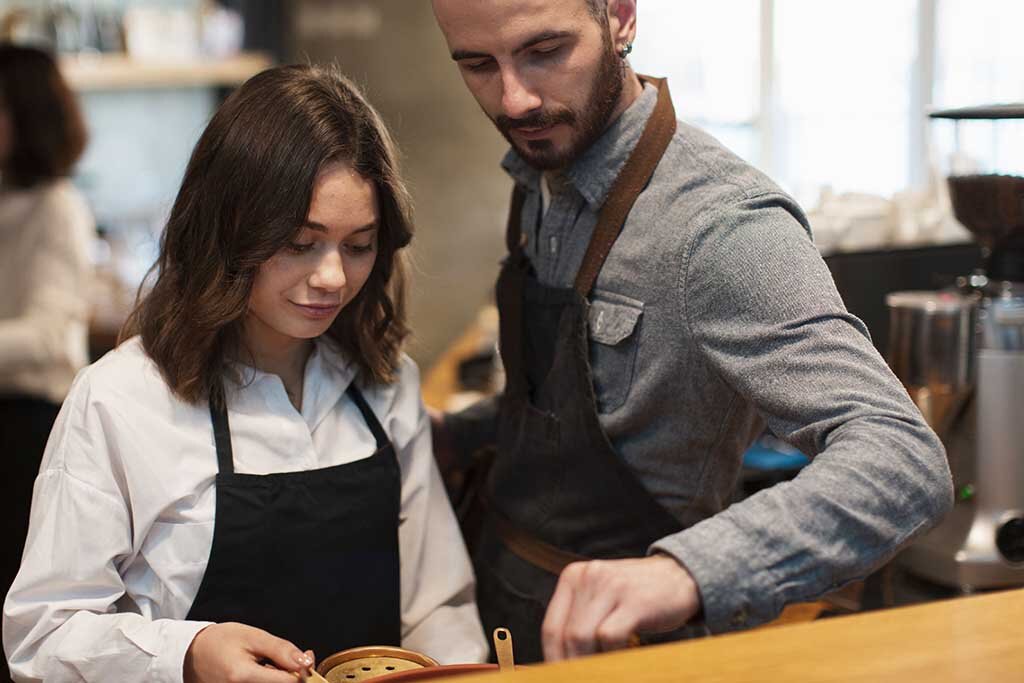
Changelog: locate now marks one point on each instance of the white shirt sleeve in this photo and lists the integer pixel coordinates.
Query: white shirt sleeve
(439, 614)
(62, 618)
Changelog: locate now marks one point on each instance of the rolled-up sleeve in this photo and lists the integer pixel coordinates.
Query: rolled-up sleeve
(762, 305)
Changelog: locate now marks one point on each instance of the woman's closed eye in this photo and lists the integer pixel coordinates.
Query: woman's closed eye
(362, 248)
(301, 247)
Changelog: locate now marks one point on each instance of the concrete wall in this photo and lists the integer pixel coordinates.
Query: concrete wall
(451, 152)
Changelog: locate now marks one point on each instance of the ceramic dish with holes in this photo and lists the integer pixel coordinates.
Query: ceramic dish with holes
(365, 663)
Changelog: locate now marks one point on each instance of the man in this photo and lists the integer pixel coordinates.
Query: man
(661, 304)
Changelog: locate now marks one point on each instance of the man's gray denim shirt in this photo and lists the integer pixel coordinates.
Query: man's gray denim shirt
(713, 316)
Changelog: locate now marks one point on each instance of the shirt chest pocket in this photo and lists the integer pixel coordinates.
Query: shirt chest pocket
(613, 322)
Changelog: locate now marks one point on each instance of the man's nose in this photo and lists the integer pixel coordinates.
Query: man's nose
(329, 273)
(517, 98)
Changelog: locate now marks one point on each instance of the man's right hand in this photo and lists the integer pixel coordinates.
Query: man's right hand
(233, 653)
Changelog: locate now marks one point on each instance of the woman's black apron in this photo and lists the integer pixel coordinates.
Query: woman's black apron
(557, 491)
(311, 556)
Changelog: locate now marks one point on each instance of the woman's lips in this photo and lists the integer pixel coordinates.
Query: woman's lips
(318, 311)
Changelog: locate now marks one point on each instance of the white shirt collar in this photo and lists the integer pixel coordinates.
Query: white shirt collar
(327, 376)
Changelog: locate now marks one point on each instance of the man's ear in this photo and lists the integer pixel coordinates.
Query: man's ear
(622, 22)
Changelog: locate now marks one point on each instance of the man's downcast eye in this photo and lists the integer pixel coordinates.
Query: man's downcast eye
(476, 64)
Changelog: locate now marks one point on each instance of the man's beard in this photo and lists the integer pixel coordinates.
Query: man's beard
(587, 125)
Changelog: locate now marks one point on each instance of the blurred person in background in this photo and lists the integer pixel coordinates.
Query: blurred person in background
(45, 229)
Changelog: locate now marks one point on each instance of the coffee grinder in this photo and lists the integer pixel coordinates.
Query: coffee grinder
(960, 353)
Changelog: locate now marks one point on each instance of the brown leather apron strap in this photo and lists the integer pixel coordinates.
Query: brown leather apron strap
(636, 173)
(531, 549)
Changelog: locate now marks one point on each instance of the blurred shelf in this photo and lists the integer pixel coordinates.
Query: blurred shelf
(121, 72)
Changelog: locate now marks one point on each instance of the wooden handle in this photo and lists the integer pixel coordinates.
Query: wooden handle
(311, 676)
(503, 646)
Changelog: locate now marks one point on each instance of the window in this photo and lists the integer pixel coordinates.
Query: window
(981, 61)
(710, 54)
(828, 94)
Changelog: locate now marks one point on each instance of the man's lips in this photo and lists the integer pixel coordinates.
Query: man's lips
(533, 133)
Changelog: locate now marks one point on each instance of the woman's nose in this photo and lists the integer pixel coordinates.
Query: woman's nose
(329, 273)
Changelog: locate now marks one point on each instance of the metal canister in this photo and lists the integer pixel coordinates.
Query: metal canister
(1002, 318)
(932, 344)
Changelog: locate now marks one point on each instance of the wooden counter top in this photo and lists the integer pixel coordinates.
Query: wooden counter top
(977, 639)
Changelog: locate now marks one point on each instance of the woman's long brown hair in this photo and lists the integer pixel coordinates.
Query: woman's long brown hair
(246, 192)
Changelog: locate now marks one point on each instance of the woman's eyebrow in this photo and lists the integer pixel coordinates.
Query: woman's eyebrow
(320, 227)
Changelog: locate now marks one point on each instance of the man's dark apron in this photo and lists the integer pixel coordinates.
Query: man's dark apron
(557, 490)
(309, 556)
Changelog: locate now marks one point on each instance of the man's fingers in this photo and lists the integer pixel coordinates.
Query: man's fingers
(593, 601)
(617, 630)
(553, 629)
(283, 654)
(599, 605)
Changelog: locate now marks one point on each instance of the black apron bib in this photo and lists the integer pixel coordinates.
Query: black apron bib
(308, 556)
(556, 477)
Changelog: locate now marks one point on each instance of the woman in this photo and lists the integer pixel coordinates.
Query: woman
(45, 231)
(239, 480)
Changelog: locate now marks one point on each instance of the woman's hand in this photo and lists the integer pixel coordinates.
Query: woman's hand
(233, 653)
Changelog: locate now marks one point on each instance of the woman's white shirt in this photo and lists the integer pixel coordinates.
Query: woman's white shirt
(45, 274)
(123, 515)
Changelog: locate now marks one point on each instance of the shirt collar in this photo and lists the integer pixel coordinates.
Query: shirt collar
(327, 376)
(594, 172)
(325, 357)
